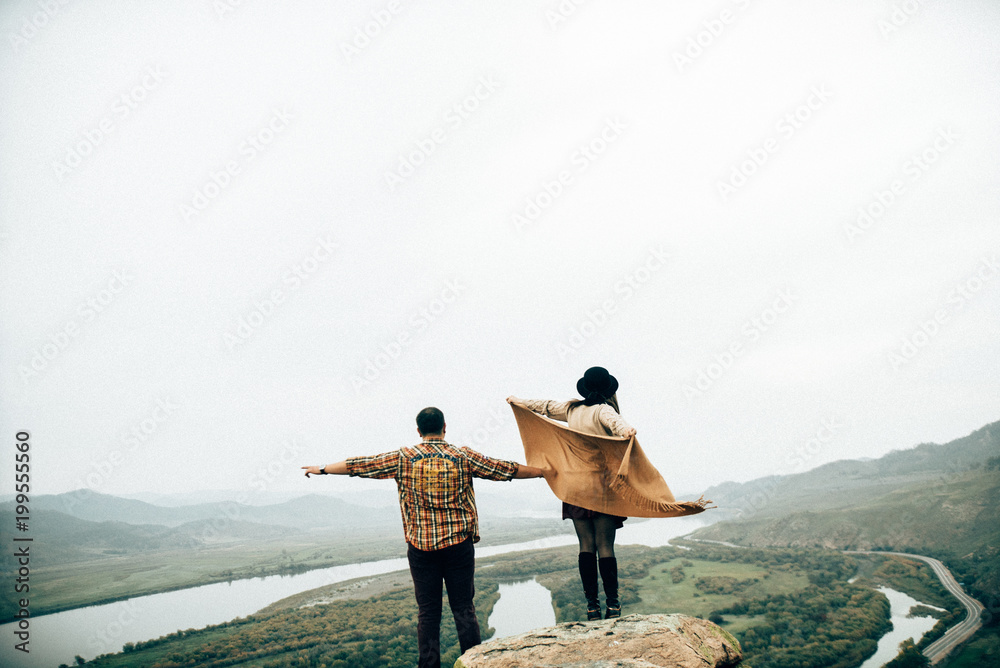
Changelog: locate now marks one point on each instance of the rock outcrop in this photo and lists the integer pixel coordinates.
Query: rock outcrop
(635, 641)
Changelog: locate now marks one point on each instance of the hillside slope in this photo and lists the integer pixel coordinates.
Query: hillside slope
(937, 500)
(846, 483)
(310, 511)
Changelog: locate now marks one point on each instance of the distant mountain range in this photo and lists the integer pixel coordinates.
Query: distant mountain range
(311, 511)
(848, 483)
(74, 527)
(937, 500)
(62, 538)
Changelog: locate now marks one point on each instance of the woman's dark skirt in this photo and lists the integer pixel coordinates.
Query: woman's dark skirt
(571, 512)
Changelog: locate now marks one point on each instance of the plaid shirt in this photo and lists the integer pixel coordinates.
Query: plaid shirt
(436, 497)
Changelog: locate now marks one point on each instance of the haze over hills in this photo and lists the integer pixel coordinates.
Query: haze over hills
(63, 538)
(846, 483)
(308, 511)
(935, 500)
(75, 527)
(258, 498)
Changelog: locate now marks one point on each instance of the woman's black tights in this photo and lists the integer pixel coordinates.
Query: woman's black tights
(597, 535)
(597, 539)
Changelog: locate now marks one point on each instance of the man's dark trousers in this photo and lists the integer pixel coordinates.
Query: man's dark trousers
(456, 566)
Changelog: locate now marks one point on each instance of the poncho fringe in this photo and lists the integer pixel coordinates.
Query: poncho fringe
(674, 509)
(603, 473)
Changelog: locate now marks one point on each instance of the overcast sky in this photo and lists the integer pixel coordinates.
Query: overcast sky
(241, 237)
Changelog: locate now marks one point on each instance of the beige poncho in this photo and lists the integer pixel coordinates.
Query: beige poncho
(603, 473)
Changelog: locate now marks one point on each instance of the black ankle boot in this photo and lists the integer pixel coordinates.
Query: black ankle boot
(588, 574)
(609, 575)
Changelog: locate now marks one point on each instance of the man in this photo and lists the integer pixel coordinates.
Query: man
(440, 522)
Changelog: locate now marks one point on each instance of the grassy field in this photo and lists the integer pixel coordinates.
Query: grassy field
(660, 593)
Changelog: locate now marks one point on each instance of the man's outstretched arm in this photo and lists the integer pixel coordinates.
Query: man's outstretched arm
(340, 468)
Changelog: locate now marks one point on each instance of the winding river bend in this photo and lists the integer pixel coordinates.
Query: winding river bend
(903, 627)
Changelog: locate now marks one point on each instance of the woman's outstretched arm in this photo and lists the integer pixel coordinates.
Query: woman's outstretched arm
(525, 471)
(610, 418)
(553, 409)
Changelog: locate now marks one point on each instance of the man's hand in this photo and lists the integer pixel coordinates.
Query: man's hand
(630, 433)
(512, 399)
(339, 468)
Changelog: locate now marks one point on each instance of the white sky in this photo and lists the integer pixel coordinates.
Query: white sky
(93, 185)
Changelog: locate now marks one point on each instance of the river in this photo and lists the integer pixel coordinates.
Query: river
(99, 629)
(903, 627)
(523, 606)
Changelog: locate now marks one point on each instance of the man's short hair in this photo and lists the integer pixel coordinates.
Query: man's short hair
(430, 421)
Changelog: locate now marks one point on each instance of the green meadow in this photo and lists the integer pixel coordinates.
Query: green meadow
(659, 591)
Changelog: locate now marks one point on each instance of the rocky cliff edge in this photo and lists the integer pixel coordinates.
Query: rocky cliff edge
(635, 641)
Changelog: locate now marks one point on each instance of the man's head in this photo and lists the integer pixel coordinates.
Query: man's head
(430, 422)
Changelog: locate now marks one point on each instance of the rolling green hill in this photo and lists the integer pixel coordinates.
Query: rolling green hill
(936, 500)
(959, 514)
(846, 483)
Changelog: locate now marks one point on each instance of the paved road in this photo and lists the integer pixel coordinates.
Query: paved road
(958, 633)
(954, 636)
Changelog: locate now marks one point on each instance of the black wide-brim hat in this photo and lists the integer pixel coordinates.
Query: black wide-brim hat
(597, 380)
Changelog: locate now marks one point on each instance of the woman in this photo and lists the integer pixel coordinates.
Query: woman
(596, 413)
